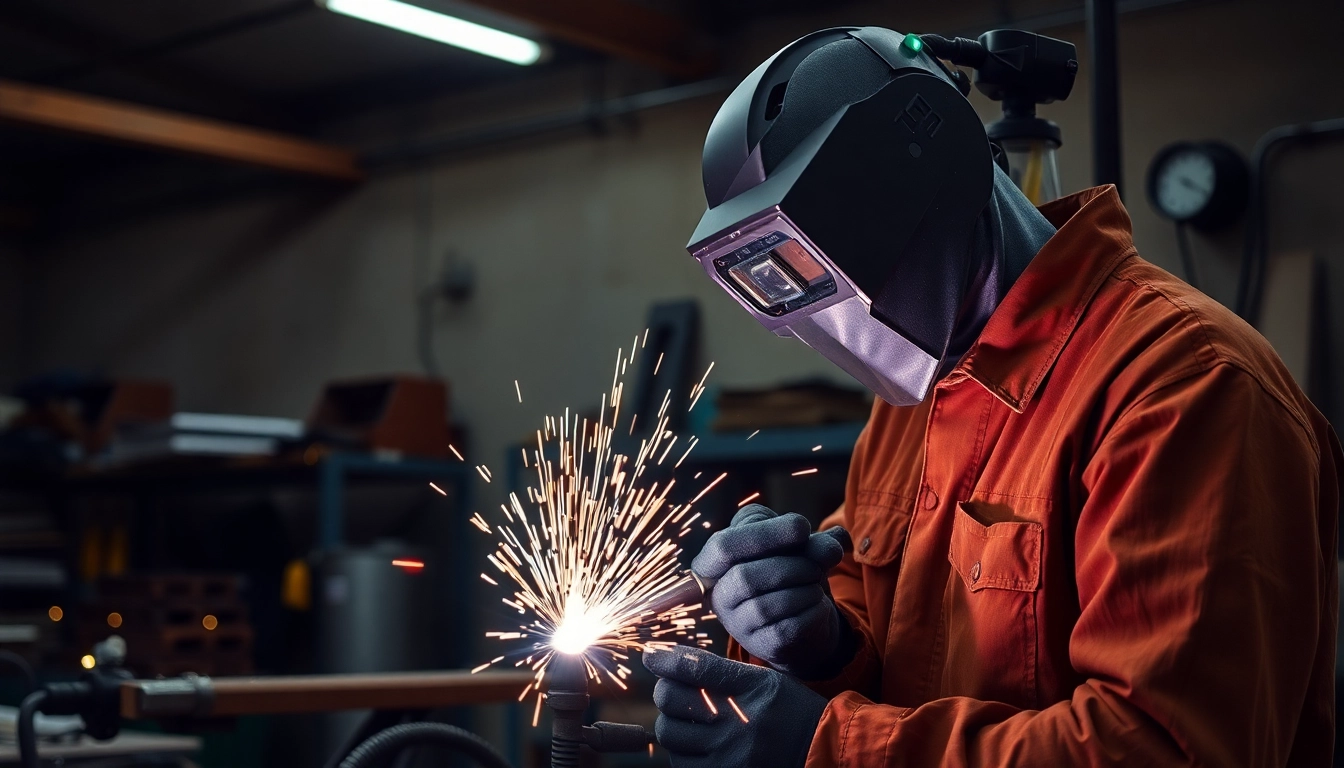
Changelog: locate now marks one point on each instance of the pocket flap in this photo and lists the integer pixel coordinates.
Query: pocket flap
(880, 521)
(999, 556)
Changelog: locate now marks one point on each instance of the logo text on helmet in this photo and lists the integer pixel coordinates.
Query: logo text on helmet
(919, 116)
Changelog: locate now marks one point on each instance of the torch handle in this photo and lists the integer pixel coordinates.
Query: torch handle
(694, 588)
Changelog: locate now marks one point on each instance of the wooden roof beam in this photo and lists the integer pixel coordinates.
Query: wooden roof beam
(160, 129)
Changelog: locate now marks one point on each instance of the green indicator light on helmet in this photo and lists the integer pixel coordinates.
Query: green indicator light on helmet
(912, 44)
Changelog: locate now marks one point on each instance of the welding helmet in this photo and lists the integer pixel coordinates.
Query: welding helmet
(844, 177)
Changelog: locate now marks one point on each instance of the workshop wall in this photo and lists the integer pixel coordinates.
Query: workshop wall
(250, 304)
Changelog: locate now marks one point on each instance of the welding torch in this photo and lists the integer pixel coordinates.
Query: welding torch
(693, 588)
(568, 694)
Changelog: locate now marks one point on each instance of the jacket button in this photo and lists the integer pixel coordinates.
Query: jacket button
(975, 572)
(930, 498)
(865, 544)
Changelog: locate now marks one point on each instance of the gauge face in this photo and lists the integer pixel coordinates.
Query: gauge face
(1203, 184)
(1185, 183)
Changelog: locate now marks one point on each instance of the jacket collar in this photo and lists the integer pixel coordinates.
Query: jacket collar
(1027, 331)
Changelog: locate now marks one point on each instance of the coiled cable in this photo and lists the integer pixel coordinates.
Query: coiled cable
(380, 749)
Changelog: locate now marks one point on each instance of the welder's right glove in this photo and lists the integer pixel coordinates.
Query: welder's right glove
(772, 595)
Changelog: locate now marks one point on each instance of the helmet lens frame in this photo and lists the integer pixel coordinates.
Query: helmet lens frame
(774, 273)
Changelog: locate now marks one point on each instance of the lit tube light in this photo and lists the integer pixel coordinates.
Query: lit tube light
(441, 27)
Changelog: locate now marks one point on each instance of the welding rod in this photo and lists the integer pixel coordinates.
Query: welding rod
(693, 588)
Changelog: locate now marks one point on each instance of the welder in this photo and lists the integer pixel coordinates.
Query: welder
(1094, 517)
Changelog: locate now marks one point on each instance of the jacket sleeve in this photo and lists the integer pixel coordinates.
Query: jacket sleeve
(1202, 581)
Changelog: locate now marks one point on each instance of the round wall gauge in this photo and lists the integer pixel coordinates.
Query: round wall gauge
(1203, 184)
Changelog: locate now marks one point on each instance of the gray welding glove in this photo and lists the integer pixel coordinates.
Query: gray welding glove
(759, 718)
(772, 595)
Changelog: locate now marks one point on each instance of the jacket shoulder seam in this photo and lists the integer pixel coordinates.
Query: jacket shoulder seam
(1175, 379)
(1188, 314)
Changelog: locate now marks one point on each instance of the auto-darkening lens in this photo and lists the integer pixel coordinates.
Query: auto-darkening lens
(765, 281)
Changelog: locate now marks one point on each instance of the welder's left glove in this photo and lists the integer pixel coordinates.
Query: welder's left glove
(778, 715)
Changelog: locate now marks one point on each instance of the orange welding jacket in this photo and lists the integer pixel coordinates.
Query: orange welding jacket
(1108, 537)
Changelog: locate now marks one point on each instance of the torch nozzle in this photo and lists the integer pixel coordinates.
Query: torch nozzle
(690, 589)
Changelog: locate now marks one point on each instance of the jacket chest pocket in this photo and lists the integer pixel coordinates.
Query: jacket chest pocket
(990, 604)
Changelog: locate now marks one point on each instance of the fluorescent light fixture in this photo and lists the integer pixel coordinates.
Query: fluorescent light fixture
(441, 27)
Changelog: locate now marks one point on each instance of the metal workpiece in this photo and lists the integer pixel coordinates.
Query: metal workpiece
(267, 695)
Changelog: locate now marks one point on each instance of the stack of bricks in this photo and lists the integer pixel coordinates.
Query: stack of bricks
(174, 623)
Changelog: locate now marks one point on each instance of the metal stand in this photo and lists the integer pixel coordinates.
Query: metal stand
(568, 699)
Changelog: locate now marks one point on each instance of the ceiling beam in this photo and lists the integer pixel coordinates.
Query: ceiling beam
(619, 28)
(96, 52)
(160, 129)
(104, 57)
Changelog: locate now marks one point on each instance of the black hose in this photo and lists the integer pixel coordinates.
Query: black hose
(17, 662)
(1250, 281)
(375, 722)
(380, 749)
(958, 50)
(27, 730)
(1187, 256)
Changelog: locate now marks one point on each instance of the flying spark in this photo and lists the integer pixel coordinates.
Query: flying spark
(592, 542)
(518, 389)
(738, 710)
(709, 487)
(802, 472)
(437, 488)
(699, 388)
(713, 710)
(753, 434)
